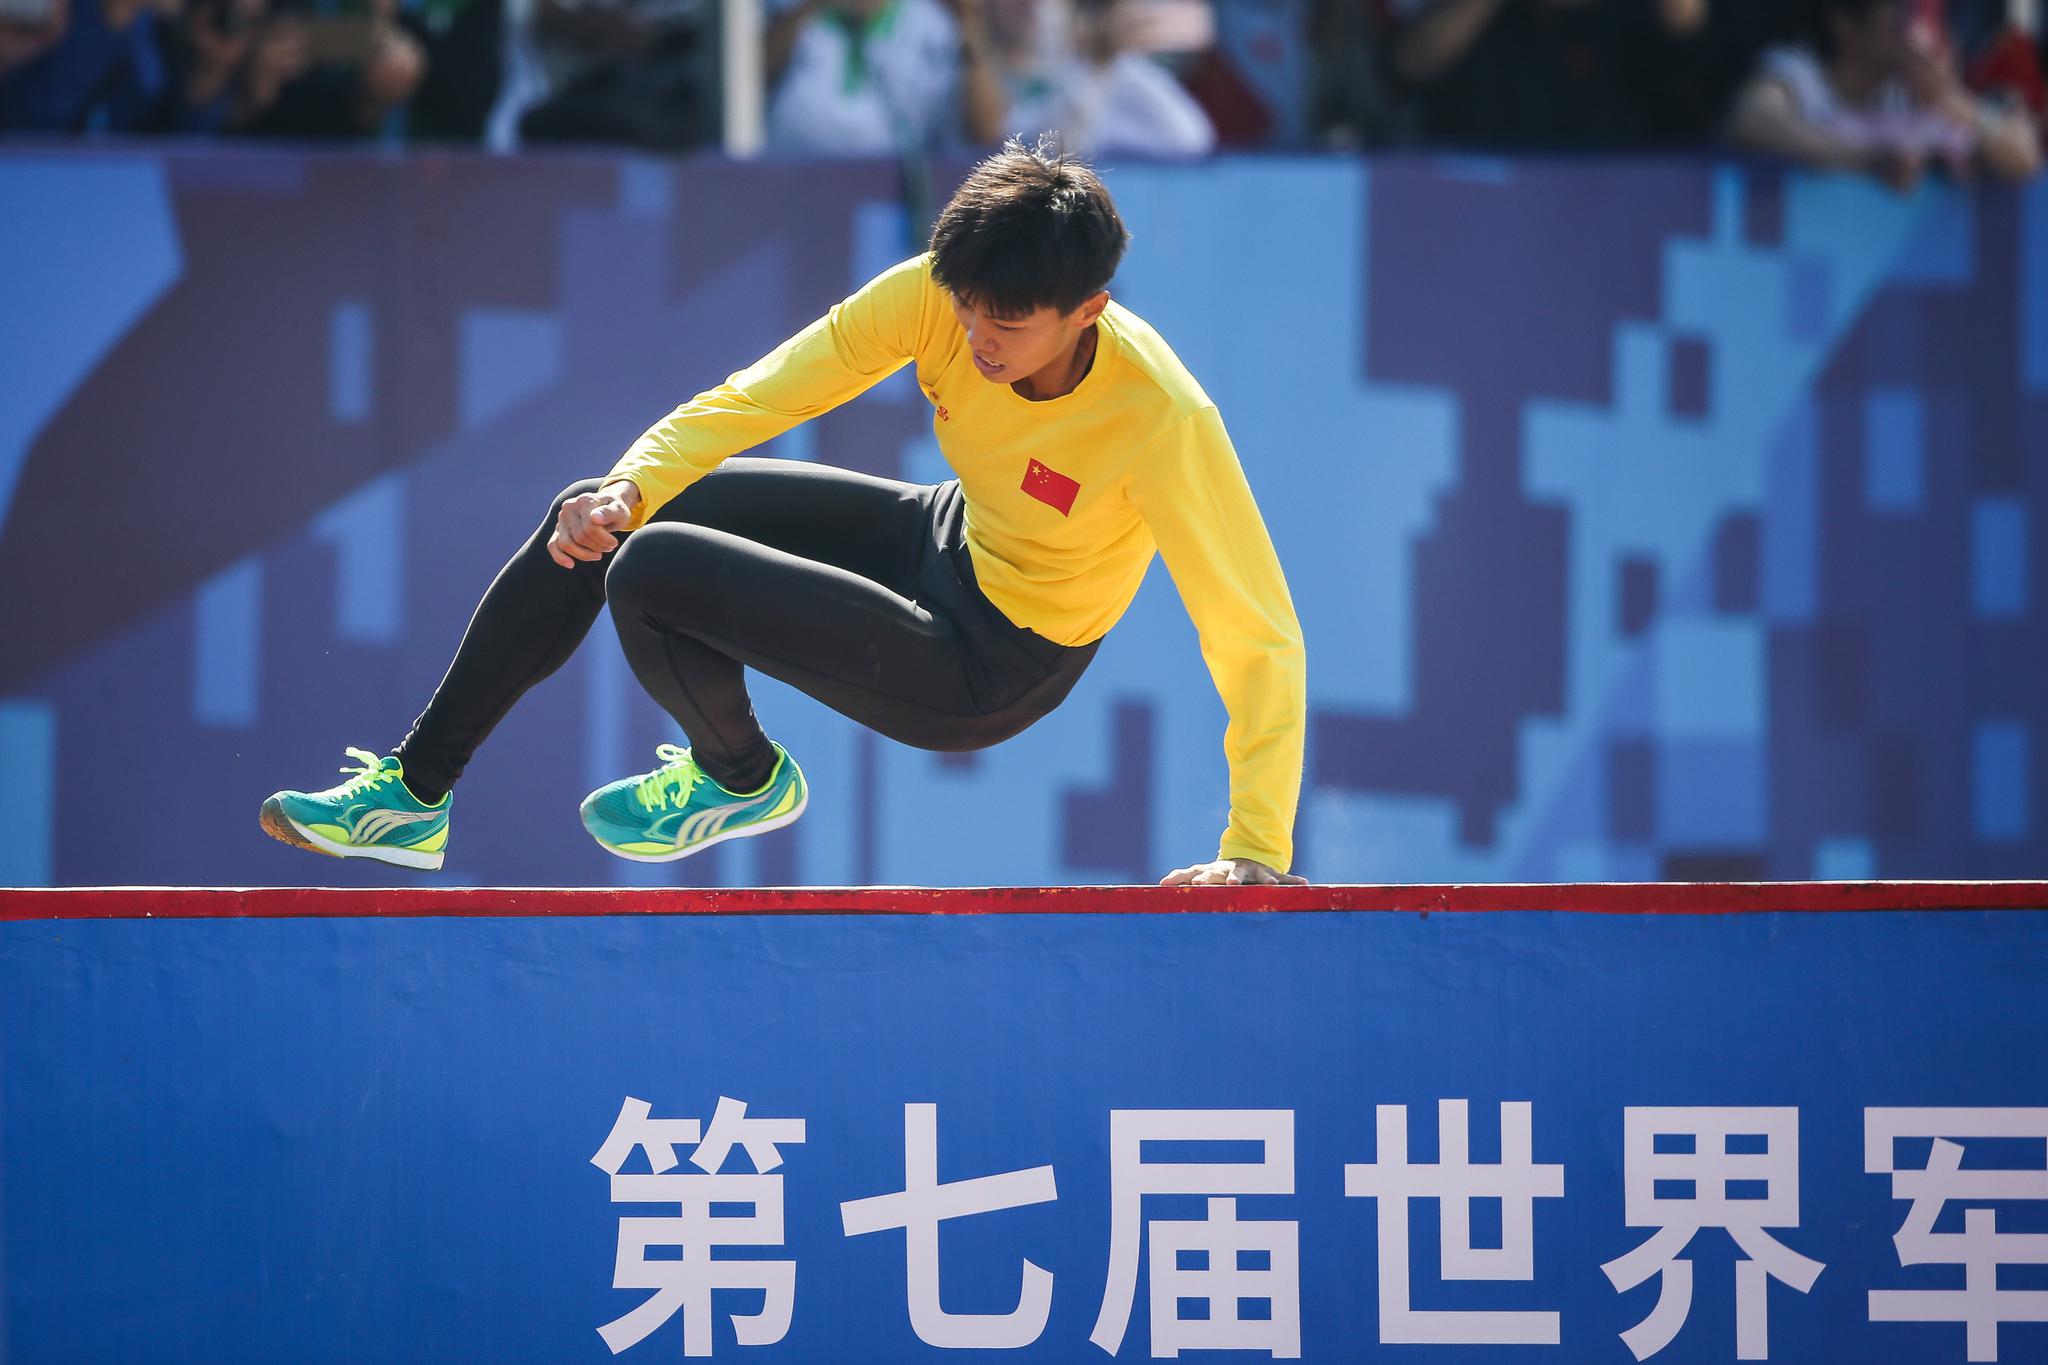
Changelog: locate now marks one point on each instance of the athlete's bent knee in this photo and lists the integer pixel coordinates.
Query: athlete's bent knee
(657, 563)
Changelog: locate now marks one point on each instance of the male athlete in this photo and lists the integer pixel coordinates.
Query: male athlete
(947, 617)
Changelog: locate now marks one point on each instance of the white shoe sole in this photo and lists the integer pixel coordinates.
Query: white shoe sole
(279, 825)
(788, 817)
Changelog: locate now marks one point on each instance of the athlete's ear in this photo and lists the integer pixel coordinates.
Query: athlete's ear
(1091, 309)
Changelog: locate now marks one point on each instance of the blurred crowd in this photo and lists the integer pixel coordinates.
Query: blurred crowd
(1890, 88)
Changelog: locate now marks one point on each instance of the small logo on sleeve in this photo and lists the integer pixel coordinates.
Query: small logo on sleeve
(1051, 487)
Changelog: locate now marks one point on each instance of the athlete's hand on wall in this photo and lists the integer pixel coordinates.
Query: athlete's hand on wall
(1230, 872)
(587, 528)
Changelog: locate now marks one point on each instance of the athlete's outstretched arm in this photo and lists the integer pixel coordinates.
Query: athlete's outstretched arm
(1192, 493)
(855, 346)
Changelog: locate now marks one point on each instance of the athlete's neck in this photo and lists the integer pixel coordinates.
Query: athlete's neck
(1062, 376)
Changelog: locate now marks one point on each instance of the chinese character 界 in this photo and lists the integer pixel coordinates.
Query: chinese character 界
(1213, 1260)
(695, 1229)
(1454, 1182)
(1980, 1248)
(1712, 1185)
(921, 1206)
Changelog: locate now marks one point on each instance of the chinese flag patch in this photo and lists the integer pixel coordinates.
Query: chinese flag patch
(1051, 487)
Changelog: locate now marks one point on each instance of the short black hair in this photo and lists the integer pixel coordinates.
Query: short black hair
(1029, 228)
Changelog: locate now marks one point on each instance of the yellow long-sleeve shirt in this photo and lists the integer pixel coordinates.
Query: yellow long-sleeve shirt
(1066, 499)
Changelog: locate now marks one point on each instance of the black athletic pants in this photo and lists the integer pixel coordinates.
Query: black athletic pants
(855, 589)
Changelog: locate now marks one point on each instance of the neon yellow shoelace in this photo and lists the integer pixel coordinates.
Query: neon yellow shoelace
(674, 780)
(373, 773)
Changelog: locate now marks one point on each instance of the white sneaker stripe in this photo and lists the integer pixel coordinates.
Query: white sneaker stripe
(376, 824)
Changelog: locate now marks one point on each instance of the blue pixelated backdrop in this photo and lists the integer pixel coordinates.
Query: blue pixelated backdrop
(1646, 519)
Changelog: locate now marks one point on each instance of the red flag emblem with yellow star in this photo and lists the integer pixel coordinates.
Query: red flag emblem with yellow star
(1051, 487)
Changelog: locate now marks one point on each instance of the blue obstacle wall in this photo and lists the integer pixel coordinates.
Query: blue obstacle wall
(383, 1139)
(1646, 520)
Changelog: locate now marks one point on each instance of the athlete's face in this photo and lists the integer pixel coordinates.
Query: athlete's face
(1020, 350)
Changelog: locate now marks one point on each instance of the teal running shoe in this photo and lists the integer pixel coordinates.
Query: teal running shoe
(371, 815)
(676, 810)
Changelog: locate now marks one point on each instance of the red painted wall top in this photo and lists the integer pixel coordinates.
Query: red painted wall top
(1624, 898)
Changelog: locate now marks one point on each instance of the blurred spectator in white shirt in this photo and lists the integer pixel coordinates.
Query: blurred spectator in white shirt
(1877, 91)
(1091, 75)
(881, 77)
